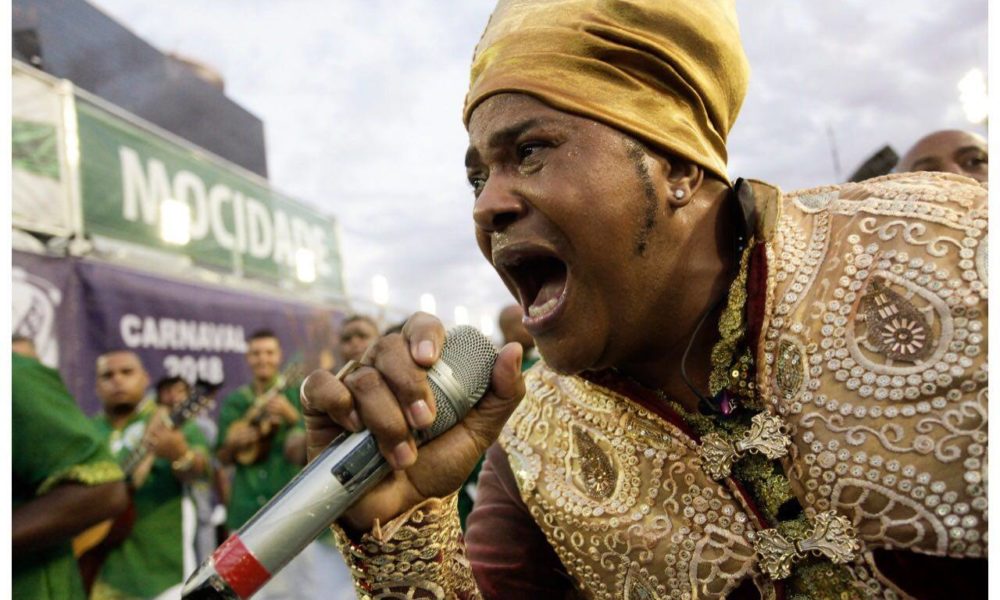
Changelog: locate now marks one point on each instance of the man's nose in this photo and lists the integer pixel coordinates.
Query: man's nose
(499, 204)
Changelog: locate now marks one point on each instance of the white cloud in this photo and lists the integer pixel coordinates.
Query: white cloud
(361, 105)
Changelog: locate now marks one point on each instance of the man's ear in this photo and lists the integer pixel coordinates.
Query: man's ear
(685, 179)
(682, 179)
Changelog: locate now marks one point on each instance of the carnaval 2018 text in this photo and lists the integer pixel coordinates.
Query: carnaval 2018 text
(258, 230)
(175, 334)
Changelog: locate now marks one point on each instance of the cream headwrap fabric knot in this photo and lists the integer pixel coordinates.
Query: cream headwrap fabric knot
(671, 73)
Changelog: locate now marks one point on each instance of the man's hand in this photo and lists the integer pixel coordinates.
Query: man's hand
(389, 395)
(241, 435)
(282, 410)
(165, 442)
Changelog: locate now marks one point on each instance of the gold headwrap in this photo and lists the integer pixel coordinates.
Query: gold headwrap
(671, 73)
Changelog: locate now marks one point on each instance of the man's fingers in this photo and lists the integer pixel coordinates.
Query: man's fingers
(425, 335)
(323, 395)
(382, 415)
(405, 379)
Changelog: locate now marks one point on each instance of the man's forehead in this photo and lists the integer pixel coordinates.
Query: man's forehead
(362, 325)
(118, 360)
(943, 143)
(500, 119)
(266, 343)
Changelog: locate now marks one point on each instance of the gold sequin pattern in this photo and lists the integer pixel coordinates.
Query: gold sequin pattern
(419, 554)
(667, 530)
(875, 352)
(727, 372)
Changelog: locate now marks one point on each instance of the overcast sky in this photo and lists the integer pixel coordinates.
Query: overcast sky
(361, 103)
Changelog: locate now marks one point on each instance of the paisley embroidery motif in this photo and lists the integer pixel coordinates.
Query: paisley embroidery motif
(895, 328)
(598, 474)
(789, 368)
(884, 292)
(640, 539)
(637, 584)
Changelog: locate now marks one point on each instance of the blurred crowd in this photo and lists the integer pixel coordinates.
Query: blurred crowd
(127, 503)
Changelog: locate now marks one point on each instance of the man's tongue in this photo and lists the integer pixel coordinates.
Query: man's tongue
(548, 296)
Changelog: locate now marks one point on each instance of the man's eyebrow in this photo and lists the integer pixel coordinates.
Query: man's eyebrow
(503, 137)
(964, 149)
(925, 161)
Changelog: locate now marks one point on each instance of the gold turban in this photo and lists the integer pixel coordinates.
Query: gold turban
(671, 73)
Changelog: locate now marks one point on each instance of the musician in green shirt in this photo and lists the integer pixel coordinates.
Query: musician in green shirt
(64, 480)
(254, 424)
(151, 560)
(261, 434)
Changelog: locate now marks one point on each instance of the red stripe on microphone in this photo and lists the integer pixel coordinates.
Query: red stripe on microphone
(239, 568)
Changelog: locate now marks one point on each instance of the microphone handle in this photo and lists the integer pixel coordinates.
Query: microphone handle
(316, 497)
(305, 507)
(336, 479)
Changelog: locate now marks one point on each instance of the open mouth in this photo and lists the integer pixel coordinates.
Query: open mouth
(541, 283)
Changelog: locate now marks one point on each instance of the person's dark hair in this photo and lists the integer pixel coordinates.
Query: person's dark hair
(360, 317)
(20, 338)
(262, 334)
(397, 328)
(169, 381)
(119, 350)
(207, 387)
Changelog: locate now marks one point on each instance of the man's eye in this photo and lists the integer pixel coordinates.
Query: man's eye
(527, 149)
(477, 182)
(975, 162)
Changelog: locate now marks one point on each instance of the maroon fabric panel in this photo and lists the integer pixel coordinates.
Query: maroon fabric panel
(510, 555)
(756, 295)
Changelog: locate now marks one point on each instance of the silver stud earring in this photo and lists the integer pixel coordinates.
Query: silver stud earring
(678, 193)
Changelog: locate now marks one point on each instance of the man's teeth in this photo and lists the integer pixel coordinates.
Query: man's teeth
(537, 311)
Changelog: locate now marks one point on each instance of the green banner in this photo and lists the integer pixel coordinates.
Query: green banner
(126, 174)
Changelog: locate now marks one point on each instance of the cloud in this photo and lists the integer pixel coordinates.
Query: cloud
(361, 103)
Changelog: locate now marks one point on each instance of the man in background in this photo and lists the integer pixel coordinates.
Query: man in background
(512, 328)
(154, 557)
(356, 335)
(948, 151)
(262, 438)
(172, 392)
(24, 346)
(254, 422)
(64, 480)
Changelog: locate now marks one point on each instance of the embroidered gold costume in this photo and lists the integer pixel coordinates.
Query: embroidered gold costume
(872, 398)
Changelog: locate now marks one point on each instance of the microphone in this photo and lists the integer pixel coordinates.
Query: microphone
(336, 479)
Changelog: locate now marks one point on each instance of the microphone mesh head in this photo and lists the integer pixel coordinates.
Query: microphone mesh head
(471, 357)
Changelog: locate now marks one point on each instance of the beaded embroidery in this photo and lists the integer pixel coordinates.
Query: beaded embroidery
(880, 294)
(890, 446)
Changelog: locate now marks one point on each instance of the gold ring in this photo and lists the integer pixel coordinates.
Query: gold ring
(351, 366)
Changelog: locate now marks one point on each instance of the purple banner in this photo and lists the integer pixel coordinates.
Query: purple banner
(76, 309)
